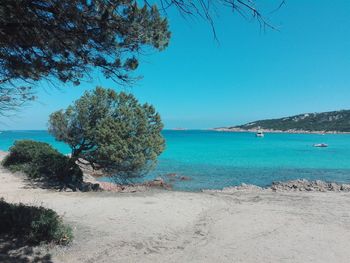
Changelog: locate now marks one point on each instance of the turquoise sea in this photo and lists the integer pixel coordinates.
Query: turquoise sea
(218, 159)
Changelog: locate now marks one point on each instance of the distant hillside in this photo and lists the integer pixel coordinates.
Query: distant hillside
(333, 121)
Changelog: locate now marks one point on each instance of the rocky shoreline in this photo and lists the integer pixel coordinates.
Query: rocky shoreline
(310, 186)
(300, 185)
(91, 183)
(157, 183)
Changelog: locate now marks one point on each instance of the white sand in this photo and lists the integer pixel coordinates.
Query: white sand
(170, 226)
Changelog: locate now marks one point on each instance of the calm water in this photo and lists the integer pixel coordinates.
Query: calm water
(215, 159)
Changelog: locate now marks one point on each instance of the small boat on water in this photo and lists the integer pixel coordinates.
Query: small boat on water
(259, 134)
(320, 145)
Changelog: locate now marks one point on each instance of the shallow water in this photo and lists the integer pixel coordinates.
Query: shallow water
(217, 159)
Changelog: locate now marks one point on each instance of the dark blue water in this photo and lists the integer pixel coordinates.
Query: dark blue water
(216, 159)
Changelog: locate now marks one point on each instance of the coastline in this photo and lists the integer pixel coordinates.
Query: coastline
(164, 182)
(292, 131)
(299, 185)
(171, 226)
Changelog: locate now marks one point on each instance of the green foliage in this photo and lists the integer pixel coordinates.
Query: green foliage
(112, 131)
(65, 39)
(325, 121)
(40, 161)
(25, 151)
(33, 224)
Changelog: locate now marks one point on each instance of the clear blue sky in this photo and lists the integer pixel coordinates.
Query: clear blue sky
(250, 74)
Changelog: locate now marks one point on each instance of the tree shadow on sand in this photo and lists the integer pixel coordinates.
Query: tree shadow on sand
(16, 251)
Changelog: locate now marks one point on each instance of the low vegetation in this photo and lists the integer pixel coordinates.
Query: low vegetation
(333, 121)
(112, 132)
(33, 224)
(42, 162)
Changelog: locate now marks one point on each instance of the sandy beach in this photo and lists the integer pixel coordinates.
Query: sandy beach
(174, 131)
(170, 226)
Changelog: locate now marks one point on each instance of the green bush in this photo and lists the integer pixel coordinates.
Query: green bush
(40, 161)
(33, 224)
(25, 151)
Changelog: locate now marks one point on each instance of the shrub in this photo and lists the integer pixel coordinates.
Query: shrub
(26, 151)
(33, 224)
(40, 161)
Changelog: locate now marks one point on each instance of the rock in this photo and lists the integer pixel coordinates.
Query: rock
(289, 186)
(185, 178)
(320, 185)
(89, 187)
(138, 187)
(95, 187)
(273, 188)
(106, 186)
(305, 185)
(318, 182)
(158, 182)
(345, 187)
(334, 187)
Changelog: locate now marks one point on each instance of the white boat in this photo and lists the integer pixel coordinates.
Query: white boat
(259, 134)
(320, 145)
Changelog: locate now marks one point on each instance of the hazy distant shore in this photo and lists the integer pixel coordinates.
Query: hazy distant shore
(277, 131)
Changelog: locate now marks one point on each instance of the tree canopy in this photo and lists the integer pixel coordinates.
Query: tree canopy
(65, 39)
(112, 131)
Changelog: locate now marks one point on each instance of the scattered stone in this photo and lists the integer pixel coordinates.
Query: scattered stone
(345, 187)
(310, 186)
(89, 187)
(301, 185)
(334, 187)
(158, 182)
(130, 188)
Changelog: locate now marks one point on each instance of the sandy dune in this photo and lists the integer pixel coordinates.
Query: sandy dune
(166, 226)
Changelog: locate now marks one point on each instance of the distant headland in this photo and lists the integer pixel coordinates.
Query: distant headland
(324, 122)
